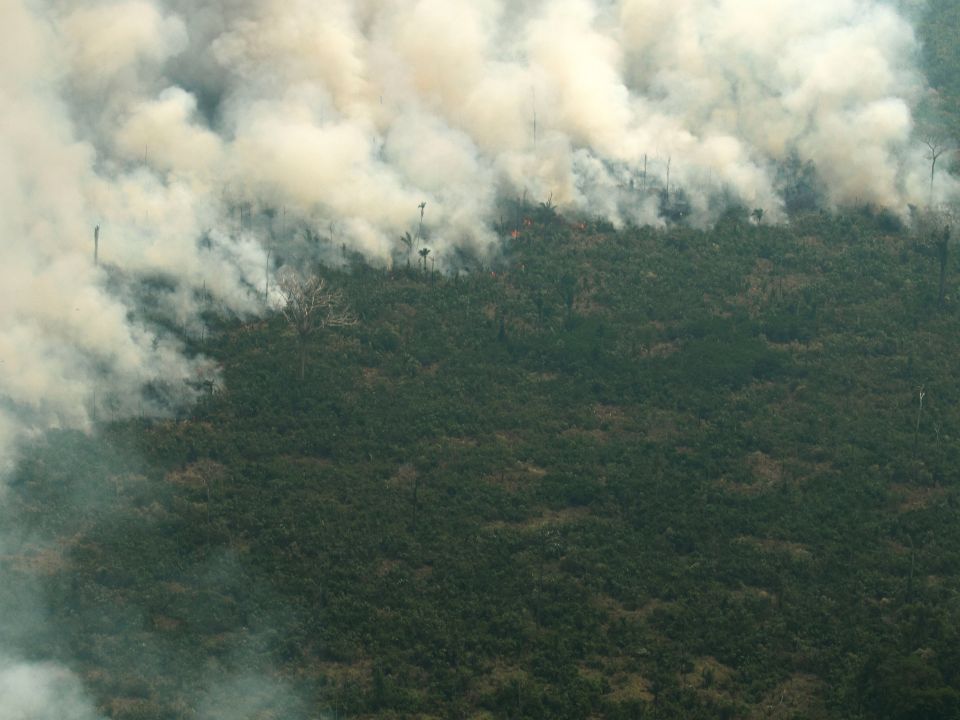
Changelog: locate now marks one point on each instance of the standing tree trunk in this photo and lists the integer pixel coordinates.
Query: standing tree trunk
(943, 255)
(416, 500)
(916, 431)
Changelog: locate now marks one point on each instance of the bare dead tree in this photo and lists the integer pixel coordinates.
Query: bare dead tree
(669, 160)
(916, 432)
(533, 94)
(266, 275)
(96, 245)
(310, 304)
(422, 206)
(935, 148)
(942, 245)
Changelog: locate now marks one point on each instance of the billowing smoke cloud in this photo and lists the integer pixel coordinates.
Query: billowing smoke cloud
(205, 137)
(202, 137)
(41, 691)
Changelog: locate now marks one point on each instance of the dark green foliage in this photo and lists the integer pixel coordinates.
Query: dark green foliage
(941, 55)
(908, 688)
(637, 474)
(641, 474)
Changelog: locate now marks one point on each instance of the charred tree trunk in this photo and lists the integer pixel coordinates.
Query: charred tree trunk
(302, 346)
(943, 255)
(416, 501)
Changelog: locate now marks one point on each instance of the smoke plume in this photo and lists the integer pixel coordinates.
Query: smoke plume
(202, 138)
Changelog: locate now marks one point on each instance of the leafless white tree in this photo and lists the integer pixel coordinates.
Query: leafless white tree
(422, 206)
(310, 304)
(936, 146)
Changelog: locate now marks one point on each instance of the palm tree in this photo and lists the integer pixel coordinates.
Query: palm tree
(422, 206)
(408, 243)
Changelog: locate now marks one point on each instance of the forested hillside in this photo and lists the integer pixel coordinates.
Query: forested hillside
(645, 471)
(941, 53)
(648, 473)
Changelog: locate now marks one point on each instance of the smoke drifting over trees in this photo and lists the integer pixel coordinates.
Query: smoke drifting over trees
(194, 141)
(159, 119)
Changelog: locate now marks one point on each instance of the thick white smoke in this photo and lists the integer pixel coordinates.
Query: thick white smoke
(201, 136)
(41, 691)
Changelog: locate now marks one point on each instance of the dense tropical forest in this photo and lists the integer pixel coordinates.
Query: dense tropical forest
(610, 473)
(646, 473)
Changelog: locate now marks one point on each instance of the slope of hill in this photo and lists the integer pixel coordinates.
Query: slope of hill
(646, 473)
